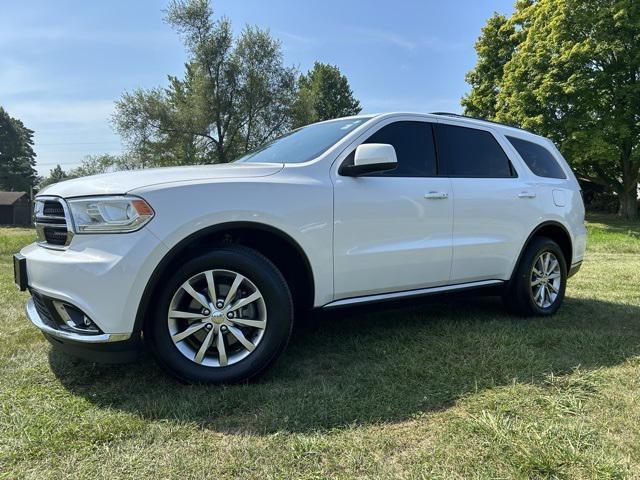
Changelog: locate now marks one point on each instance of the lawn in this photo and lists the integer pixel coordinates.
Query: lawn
(453, 388)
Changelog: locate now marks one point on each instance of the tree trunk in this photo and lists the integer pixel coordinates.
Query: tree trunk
(629, 193)
(222, 157)
(629, 203)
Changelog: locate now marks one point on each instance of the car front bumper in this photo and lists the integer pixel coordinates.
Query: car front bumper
(100, 276)
(37, 320)
(102, 348)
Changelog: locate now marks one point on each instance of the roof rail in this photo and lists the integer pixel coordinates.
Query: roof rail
(458, 115)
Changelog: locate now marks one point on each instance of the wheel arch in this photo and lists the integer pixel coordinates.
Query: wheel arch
(557, 232)
(278, 246)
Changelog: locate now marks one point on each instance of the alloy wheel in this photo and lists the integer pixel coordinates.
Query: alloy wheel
(217, 318)
(545, 279)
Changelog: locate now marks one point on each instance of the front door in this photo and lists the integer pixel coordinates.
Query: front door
(393, 230)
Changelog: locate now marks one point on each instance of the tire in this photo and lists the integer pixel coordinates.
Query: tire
(522, 297)
(265, 323)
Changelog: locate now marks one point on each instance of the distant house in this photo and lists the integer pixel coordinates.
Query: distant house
(15, 208)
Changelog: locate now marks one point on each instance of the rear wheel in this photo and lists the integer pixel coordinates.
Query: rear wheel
(539, 282)
(223, 318)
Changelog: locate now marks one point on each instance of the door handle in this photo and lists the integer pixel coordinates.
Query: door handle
(436, 195)
(527, 195)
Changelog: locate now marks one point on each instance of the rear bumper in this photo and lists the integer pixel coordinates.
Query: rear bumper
(574, 268)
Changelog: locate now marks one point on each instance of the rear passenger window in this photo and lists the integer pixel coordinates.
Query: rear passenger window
(468, 152)
(540, 160)
(415, 150)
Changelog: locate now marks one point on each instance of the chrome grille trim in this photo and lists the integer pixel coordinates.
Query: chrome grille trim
(53, 230)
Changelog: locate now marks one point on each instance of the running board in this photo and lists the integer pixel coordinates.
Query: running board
(411, 293)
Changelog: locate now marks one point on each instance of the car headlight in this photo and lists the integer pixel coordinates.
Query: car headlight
(121, 214)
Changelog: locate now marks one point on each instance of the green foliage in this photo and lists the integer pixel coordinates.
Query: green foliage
(56, 175)
(570, 71)
(107, 163)
(236, 94)
(495, 48)
(94, 165)
(324, 93)
(17, 158)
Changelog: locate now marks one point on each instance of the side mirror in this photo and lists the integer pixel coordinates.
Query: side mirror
(369, 158)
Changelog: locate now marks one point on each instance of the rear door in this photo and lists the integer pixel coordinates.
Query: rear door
(495, 206)
(392, 230)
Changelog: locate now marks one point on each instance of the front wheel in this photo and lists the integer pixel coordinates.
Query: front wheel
(540, 279)
(224, 317)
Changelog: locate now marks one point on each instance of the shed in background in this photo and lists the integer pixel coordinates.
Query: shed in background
(15, 208)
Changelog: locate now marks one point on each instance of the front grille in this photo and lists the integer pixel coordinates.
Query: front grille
(51, 222)
(55, 236)
(53, 208)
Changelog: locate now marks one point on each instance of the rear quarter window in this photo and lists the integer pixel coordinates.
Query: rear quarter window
(539, 160)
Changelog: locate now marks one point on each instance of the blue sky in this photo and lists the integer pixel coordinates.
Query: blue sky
(63, 63)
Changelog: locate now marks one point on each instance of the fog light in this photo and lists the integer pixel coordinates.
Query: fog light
(75, 319)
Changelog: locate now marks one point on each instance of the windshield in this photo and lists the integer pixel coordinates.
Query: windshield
(304, 143)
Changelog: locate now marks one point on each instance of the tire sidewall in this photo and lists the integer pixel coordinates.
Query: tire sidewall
(278, 302)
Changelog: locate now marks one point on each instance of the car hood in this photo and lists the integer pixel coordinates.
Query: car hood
(123, 182)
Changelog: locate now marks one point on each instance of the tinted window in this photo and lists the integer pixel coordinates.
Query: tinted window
(538, 159)
(413, 142)
(467, 152)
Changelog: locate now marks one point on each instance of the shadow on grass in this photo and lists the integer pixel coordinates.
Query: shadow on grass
(383, 364)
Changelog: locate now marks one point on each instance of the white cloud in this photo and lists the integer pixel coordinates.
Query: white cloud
(56, 112)
(297, 39)
(17, 78)
(67, 131)
(34, 34)
(406, 43)
(11, 34)
(82, 111)
(440, 45)
(380, 36)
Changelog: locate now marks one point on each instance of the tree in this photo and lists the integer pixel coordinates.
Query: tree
(106, 163)
(56, 174)
(495, 47)
(236, 94)
(574, 76)
(323, 93)
(94, 165)
(17, 158)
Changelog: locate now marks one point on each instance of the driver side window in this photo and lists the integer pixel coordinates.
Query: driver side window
(414, 146)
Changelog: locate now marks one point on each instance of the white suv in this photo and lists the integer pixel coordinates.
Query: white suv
(209, 263)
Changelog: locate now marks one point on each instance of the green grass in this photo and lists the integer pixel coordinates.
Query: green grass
(453, 388)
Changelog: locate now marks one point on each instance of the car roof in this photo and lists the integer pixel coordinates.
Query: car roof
(505, 129)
